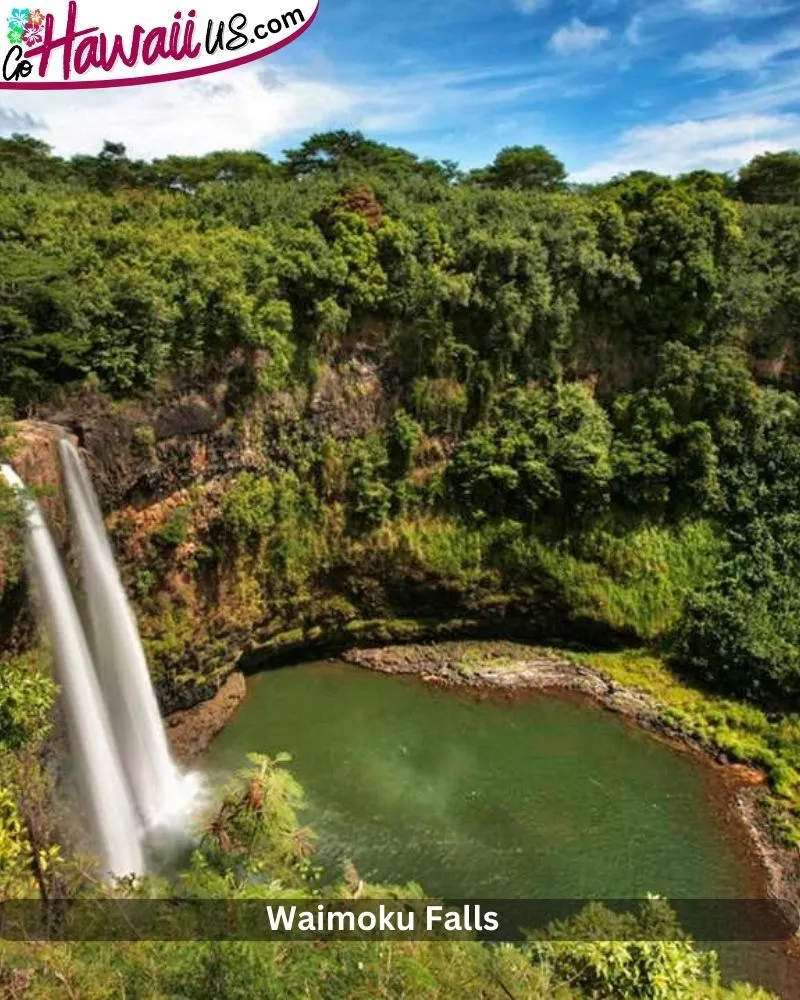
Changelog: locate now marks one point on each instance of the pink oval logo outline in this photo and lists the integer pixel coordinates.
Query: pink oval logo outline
(165, 77)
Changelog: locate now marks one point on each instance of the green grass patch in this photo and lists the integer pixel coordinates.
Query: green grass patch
(638, 581)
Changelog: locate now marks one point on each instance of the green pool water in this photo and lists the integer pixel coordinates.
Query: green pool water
(542, 798)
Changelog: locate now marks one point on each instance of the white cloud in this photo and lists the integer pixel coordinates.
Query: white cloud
(645, 23)
(578, 37)
(723, 143)
(729, 55)
(531, 6)
(735, 8)
(634, 33)
(254, 107)
(712, 6)
(775, 92)
(241, 109)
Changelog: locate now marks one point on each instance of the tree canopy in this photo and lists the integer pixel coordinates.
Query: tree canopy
(771, 179)
(524, 168)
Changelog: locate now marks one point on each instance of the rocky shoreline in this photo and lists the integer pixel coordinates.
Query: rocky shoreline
(190, 732)
(494, 672)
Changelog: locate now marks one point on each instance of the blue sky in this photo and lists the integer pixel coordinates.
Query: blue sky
(608, 85)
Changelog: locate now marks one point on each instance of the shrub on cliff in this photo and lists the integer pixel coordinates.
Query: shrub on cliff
(539, 454)
(744, 641)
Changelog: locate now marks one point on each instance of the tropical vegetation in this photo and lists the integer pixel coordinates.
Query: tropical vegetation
(428, 400)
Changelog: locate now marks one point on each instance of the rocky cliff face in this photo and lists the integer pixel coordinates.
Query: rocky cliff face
(145, 451)
(35, 458)
(256, 524)
(161, 468)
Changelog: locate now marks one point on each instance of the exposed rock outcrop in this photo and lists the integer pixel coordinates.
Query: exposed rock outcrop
(191, 732)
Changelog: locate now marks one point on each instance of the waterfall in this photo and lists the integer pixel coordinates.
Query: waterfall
(104, 789)
(157, 788)
(131, 787)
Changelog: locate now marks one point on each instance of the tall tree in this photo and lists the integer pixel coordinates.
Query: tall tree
(187, 172)
(710, 180)
(330, 152)
(772, 178)
(524, 168)
(111, 169)
(30, 155)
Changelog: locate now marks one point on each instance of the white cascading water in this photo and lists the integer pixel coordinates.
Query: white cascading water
(115, 825)
(163, 797)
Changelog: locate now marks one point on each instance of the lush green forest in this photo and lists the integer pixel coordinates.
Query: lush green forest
(572, 379)
(491, 397)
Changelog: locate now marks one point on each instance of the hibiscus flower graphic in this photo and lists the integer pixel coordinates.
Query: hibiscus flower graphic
(36, 18)
(33, 34)
(15, 36)
(19, 18)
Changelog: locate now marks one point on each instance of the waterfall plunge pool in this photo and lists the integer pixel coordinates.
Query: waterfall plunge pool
(543, 797)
